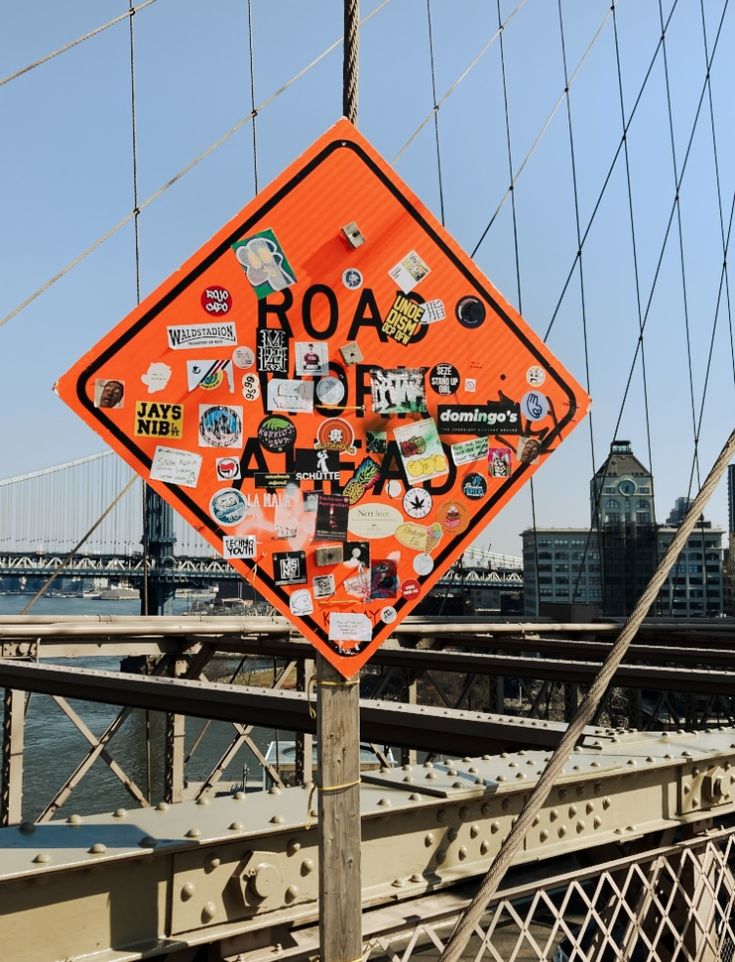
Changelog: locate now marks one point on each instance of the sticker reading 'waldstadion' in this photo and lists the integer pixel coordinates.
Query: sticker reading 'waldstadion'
(332, 394)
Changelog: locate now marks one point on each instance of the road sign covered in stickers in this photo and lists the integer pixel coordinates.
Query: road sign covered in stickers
(332, 394)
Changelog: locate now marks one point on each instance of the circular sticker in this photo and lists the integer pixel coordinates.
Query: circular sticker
(276, 433)
(536, 375)
(470, 312)
(352, 279)
(417, 502)
(228, 469)
(453, 517)
(444, 379)
(216, 300)
(335, 434)
(220, 426)
(243, 357)
(228, 506)
(330, 390)
(300, 602)
(423, 564)
(388, 615)
(535, 405)
(410, 589)
(474, 486)
(250, 387)
(394, 488)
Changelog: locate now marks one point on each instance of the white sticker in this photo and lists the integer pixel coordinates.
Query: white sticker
(292, 396)
(433, 311)
(156, 377)
(300, 602)
(324, 585)
(210, 374)
(373, 520)
(474, 449)
(535, 376)
(330, 391)
(423, 564)
(394, 488)
(349, 626)
(250, 387)
(243, 357)
(176, 467)
(234, 547)
(409, 272)
(352, 279)
(535, 405)
(470, 385)
(388, 615)
(201, 335)
(311, 358)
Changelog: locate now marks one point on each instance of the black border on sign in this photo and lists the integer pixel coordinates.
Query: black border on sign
(207, 262)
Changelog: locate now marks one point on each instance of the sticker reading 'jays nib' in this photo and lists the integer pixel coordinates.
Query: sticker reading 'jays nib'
(228, 506)
(272, 351)
(444, 379)
(409, 272)
(276, 433)
(159, 420)
(264, 262)
(216, 299)
(220, 426)
(403, 319)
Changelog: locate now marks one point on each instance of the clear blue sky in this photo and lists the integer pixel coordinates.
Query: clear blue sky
(67, 179)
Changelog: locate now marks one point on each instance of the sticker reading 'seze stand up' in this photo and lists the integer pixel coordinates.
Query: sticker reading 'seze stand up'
(332, 394)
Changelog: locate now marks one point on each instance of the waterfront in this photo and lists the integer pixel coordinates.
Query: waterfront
(54, 746)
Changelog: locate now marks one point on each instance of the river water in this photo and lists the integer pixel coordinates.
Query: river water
(54, 746)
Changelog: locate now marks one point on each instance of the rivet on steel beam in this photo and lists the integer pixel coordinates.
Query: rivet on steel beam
(407, 768)
(235, 826)
(501, 778)
(203, 800)
(580, 826)
(307, 866)
(74, 819)
(292, 893)
(384, 802)
(485, 809)
(97, 849)
(162, 807)
(486, 758)
(606, 803)
(474, 830)
(42, 858)
(441, 815)
(431, 775)
(451, 771)
(413, 797)
(484, 847)
(239, 796)
(505, 754)
(479, 781)
(293, 846)
(428, 764)
(543, 835)
(594, 764)
(27, 828)
(520, 774)
(553, 815)
(535, 822)
(562, 831)
(521, 751)
(462, 853)
(416, 877)
(209, 911)
(472, 770)
(187, 891)
(457, 785)
(147, 842)
(120, 813)
(589, 807)
(650, 758)
(494, 827)
(274, 790)
(277, 820)
(398, 883)
(429, 839)
(632, 762)
(441, 857)
(668, 755)
(576, 768)
(211, 862)
(452, 834)
(695, 770)
(464, 812)
(572, 811)
(512, 764)
(193, 833)
(597, 821)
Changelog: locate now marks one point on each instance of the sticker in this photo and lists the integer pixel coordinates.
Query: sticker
(158, 420)
(228, 469)
(403, 319)
(330, 391)
(444, 379)
(496, 416)
(373, 520)
(243, 357)
(311, 358)
(535, 376)
(352, 279)
(388, 615)
(384, 579)
(209, 375)
(175, 466)
(376, 442)
(535, 405)
(331, 517)
(474, 486)
(394, 488)
(423, 564)
(289, 567)
(349, 626)
(244, 547)
(417, 502)
(285, 522)
(470, 312)
(421, 450)
(470, 385)
(250, 387)
(156, 377)
(409, 272)
(272, 349)
(228, 506)
(358, 586)
(528, 450)
(453, 517)
(365, 477)
(216, 300)
(264, 263)
(292, 396)
(351, 353)
(272, 481)
(464, 452)
(311, 465)
(336, 434)
(323, 586)
(220, 426)
(433, 311)
(184, 336)
(498, 462)
(434, 535)
(398, 390)
(356, 554)
(276, 433)
(410, 589)
(412, 536)
(300, 602)
(109, 393)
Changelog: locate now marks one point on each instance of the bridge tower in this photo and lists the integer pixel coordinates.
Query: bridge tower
(158, 587)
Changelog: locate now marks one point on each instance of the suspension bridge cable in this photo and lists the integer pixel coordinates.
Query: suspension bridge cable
(134, 159)
(180, 174)
(542, 131)
(253, 109)
(75, 43)
(435, 112)
(448, 93)
(56, 468)
(509, 150)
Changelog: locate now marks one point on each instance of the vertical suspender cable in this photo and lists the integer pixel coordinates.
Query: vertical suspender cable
(435, 108)
(350, 66)
(253, 110)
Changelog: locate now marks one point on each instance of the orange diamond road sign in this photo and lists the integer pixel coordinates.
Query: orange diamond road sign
(332, 394)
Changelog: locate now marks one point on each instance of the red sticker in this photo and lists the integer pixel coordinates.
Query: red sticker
(216, 300)
(410, 589)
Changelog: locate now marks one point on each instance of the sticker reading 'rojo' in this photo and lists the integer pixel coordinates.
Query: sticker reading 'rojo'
(391, 402)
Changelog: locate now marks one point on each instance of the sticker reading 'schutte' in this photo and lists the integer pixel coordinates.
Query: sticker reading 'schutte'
(332, 394)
